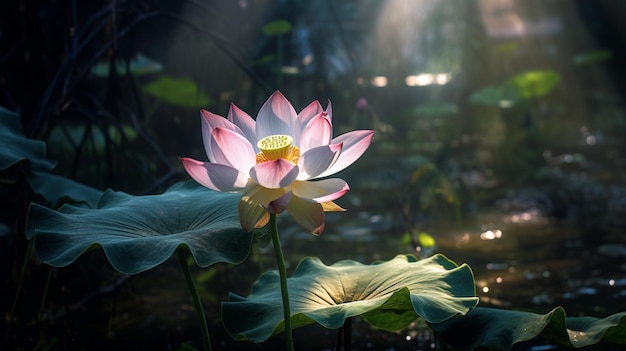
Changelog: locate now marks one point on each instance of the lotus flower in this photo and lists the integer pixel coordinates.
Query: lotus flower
(272, 161)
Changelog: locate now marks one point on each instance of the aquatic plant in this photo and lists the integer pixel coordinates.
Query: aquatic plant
(272, 161)
(534, 161)
(389, 295)
(137, 233)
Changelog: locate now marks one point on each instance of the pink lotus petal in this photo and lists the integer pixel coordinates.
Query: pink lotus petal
(310, 111)
(354, 145)
(274, 174)
(232, 149)
(309, 215)
(316, 133)
(276, 116)
(209, 121)
(215, 176)
(317, 160)
(244, 122)
(273, 186)
(329, 111)
(320, 191)
(305, 116)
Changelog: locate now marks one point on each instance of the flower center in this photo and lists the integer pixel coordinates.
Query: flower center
(277, 146)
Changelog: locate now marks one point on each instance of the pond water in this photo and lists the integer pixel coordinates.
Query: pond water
(499, 143)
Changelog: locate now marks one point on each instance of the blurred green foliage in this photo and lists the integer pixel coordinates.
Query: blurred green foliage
(182, 92)
(278, 27)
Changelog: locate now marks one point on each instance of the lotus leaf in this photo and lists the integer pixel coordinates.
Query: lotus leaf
(138, 233)
(388, 295)
(15, 147)
(58, 190)
(500, 329)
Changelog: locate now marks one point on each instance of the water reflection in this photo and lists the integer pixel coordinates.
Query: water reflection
(491, 234)
(425, 79)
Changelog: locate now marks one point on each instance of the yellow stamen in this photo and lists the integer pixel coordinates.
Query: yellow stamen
(277, 146)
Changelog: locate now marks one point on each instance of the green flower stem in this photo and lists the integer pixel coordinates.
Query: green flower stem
(344, 336)
(280, 259)
(44, 298)
(204, 329)
(347, 334)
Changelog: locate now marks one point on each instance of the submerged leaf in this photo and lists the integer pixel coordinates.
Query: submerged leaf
(389, 295)
(138, 233)
(500, 329)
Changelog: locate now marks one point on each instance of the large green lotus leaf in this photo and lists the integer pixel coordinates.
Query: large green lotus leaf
(534, 84)
(138, 233)
(15, 147)
(388, 295)
(58, 190)
(500, 329)
(583, 331)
